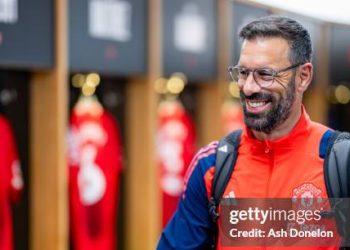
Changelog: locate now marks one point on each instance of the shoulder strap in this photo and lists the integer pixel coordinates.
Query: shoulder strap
(337, 180)
(337, 165)
(226, 157)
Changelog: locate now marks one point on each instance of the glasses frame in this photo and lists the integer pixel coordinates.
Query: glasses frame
(274, 74)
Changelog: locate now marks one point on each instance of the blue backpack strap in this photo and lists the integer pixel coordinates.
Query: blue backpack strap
(327, 139)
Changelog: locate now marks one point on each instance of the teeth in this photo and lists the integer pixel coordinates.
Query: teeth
(256, 104)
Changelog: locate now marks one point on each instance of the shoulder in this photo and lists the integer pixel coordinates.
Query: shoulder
(191, 225)
(318, 128)
(323, 136)
(203, 160)
(338, 140)
(319, 133)
(200, 166)
(207, 154)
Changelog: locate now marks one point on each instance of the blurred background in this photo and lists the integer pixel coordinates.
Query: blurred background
(104, 103)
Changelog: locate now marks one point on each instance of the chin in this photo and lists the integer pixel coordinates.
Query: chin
(260, 125)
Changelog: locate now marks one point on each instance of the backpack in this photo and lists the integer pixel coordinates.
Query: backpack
(334, 148)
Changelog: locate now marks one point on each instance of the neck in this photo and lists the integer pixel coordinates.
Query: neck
(282, 130)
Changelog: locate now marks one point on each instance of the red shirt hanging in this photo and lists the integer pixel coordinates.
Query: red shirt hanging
(11, 182)
(176, 141)
(95, 166)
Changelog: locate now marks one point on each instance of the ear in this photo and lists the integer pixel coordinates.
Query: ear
(305, 77)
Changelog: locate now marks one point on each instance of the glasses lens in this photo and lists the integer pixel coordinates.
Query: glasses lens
(233, 71)
(264, 77)
(238, 75)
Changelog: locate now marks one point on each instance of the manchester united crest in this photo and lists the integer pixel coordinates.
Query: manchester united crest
(306, 194)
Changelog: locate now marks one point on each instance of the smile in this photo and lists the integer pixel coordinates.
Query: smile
(257, 106)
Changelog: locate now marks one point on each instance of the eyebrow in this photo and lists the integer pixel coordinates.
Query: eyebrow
(240, 66)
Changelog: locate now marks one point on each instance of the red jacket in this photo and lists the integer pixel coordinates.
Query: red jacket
(284, 168)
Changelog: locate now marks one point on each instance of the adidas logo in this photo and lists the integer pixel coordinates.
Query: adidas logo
(230, 195)
(223, 149)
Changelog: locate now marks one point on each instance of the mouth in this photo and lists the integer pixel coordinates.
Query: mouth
(257, 106)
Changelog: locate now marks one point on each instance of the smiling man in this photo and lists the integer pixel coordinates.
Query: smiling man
(279, 151)
(270, 93)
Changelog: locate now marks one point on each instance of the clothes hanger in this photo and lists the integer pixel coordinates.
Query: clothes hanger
(88, 103)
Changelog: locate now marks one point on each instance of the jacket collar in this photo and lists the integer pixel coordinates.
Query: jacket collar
(297, 134)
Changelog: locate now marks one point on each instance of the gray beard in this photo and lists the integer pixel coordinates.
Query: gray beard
(268, 121)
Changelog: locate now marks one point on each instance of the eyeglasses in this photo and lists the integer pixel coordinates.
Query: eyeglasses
(264, 77)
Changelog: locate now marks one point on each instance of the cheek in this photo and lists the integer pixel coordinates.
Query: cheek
(279, 95)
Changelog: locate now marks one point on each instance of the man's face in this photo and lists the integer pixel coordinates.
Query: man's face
(267, 108)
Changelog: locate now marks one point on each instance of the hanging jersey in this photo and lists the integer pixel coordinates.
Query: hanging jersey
(94, 171)
(176, 138)
(11, 182)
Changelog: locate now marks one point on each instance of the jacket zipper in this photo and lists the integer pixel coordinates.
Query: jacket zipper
(270, 155)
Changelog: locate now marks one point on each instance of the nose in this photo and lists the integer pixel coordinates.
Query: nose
(250, 86)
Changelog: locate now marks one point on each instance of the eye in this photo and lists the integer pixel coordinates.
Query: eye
(243, 72)
(265, 74)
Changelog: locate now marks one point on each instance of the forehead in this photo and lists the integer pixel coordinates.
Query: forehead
(264, 52)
